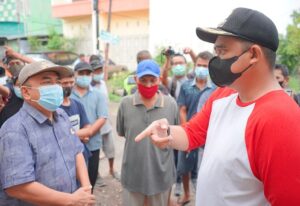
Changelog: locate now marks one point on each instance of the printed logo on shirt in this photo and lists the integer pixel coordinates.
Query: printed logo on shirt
(75, 121)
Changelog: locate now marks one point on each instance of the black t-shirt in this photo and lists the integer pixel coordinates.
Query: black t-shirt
(13, 105)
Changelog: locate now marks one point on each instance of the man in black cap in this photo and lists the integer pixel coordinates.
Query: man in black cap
(249, 126)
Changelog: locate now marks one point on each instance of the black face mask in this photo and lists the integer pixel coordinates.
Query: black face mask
(220, 70)
(281, 83)
(67, 91)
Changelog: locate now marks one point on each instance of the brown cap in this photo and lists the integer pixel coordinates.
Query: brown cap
(42, 66)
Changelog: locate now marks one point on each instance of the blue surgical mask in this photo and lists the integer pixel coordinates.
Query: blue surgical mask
(98, 77)
(201, 72)
(17, 91)
(179, 70)
(51, 97)
(83, 81)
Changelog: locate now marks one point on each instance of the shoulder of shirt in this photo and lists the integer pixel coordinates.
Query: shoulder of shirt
(220, 93)
(60, 112)
(14, 123)
(169, 99)
(127, 99)
(188, 83)
(278, 104)
(75, 101)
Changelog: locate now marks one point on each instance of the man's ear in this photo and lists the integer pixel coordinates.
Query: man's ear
(256, 54)
(25, 92)
(135, 79)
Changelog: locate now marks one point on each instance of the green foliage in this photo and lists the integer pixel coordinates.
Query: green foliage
(55, 42)
(159, 57)
(294, 83)
(114, 98)
(289, 46)
(35, 43)
(58, 42)
(116, 86)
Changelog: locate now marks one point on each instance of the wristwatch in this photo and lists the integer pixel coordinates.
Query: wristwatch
(168, 131)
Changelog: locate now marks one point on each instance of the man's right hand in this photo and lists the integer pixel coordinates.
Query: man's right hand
(83, 197)
(157, 131)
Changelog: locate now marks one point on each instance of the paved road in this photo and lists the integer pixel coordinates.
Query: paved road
(110, 195)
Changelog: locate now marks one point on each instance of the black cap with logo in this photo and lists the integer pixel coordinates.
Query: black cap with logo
(246, 24)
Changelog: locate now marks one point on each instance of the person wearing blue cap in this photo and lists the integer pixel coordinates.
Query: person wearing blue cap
(147, 172)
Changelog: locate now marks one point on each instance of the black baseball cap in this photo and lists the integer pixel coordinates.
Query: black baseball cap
(247, 24)
(83, 66)
(96, 64)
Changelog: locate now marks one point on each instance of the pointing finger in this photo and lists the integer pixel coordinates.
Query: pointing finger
(145, 133)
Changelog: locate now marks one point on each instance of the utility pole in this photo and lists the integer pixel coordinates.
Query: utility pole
(106, 51)
(95, 27)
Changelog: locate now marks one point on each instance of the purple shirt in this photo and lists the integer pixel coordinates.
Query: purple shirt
(34, 149)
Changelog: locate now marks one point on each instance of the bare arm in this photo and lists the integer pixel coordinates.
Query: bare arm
(11, 53)
(4, 91)
(81, 171)
(90, 130)
(178, 138)
(191, 53)
(165, 71)
(97, 126)
(182, 114)
(39, 194)
(84, 133)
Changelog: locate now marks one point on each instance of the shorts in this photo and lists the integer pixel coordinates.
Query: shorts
(187, 162)
(108, 145)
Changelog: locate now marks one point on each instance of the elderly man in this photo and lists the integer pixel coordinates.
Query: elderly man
(250, 127)
(41, 161)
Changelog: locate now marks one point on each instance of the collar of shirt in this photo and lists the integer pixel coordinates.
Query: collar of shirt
(183, 79)
(36, 114)
(90, 89)
(194, 84)
(137, 99)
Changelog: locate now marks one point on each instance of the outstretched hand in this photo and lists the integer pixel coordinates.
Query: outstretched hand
(157, 131)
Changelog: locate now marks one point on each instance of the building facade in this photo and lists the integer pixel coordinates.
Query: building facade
(20, 19)
(129, 22)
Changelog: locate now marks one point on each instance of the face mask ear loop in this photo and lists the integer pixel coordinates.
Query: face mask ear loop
(33, 100)
(249, 64)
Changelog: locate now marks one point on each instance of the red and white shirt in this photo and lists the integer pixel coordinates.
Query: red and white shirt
(252, 151)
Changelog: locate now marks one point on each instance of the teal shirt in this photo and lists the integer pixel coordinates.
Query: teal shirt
(95, 106)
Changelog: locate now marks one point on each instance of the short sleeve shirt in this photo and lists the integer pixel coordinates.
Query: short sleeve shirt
(251, 152)
(190, 95)
(145, 168)
(34, 149)
(106, 128)
(76, 113)
(96, 107)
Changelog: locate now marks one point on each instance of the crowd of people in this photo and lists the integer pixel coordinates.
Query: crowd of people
(229, 126)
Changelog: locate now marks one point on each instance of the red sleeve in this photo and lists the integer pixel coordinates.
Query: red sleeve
(273, 145)
(196, 128)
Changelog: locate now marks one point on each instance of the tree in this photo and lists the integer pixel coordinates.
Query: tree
(55, 42)
(35, 43)
(289, 45)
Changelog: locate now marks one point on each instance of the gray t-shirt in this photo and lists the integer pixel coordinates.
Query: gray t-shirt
(145, 168)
